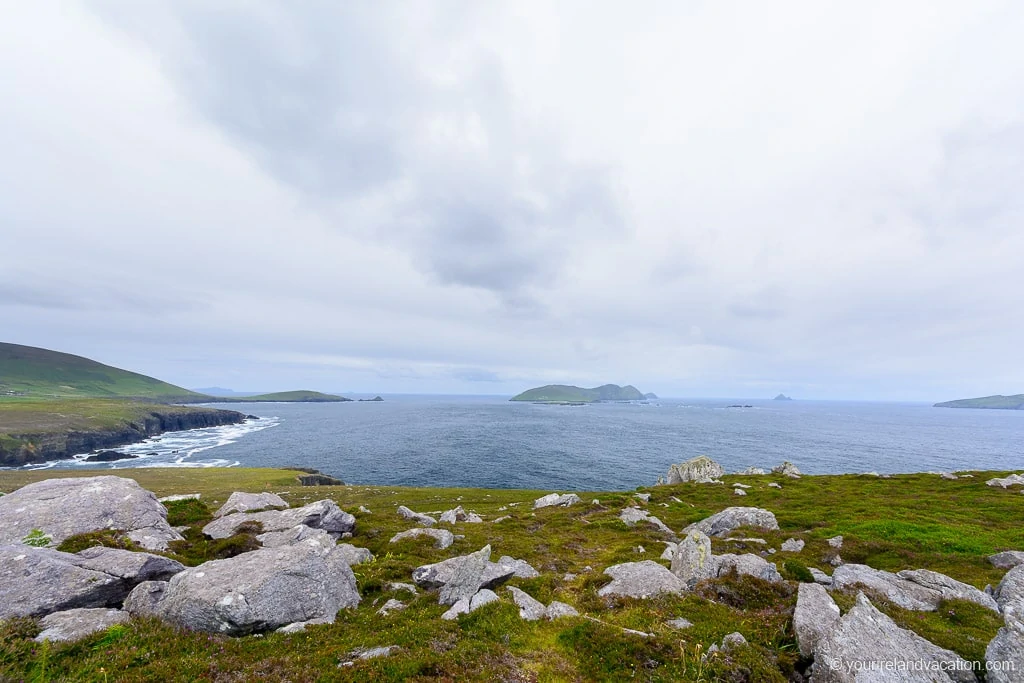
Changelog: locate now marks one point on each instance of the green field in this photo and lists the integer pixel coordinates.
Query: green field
(563, 393)
(993, 402)
(907, 521)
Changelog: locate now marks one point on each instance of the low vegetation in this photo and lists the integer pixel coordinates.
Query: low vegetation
(907, 521)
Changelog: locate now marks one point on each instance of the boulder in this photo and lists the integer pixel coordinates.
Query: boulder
(554, 499)
(76, 624)
(692, 561)
(1005, 652)
(739, 492)
(459, 515)
(323, 514)
(297, 534)
(144, 598)
(442, 537)
(815, 616)
(679, 623)
(179, 497)
(792, 545)
(901, 592)
(749, 564)
(864, 638)
(530, 609)
(260, 590)
(631, 516)
(1008, 559)
(701, 470)
(820, 577)
(521, 568)
(239, 501)
(1005, 482)
(721, 523)
(787, 469)
(732, 641)
(418, 517)
(948, 588)
(61, 508)
(670, 550)
(641, 580)
(354, 554)
(440, 574)
(390, 606)
(466, 578)
(35, 582)
(470, 604)
(835, 542)
(557, 610)
(1011, 588)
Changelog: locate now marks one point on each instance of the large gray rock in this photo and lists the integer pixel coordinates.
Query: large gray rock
(240, 501)
(62, 508)
(297, 534)
(1011, 588)
(1005, 482)
(354, 554)
(901, 592)
(1008, 559)
(792, 545)
(701, 470)
(39, 581)
(644, 579)
(323, 514)
(144, 598)
(76, 624)
(260, 590)
(438, 575)
(815, 616)
(749, 564)
(471, 604)
(522, 568)
(442, 537)
(721, 523)
(948, 588)
(692, 561)
(467, 577)
(556, 500)
(557, 610)
(418, 517)
(788, 469)
(1005, 652)
(459, 515)
(530, 609)
(865, 638)
(632, 516)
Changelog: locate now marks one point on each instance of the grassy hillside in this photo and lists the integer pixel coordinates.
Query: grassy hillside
(995, 402)
(907, 521)
(34, 372)
(291, 397)
(563, 393)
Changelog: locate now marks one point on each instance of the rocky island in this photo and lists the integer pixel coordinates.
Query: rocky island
(564, 393)
(1015, 402)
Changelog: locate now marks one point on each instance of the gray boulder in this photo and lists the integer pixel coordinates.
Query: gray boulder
(835, 542)
(1005, 652)
(460, 515)
(788, 469)
(751, 471)
(390, 606)
(554, 499)
(530, 609)
(418, 517)
(239, 501)
(692, 561)
(701, 470)
(864, 637)
(354, 554)
(521, 568)
(471, 604)
(1008, 559)
(260, 590)
(641, 580)
(733, 641)
(815, 616)
(1005, 482)
(61, 508)
(948, 588)
(902, 592)
(297, 534)
(438, 575)
(632, 516)
(144, 598)
(179, 496)
(442, 537)
(323, 514)
(749, 564)
(557, 610)
(1011, 588)
(721, 523)
(76, 624)
(820, 577)
(39, 581)
(467, 577)
(792, 545)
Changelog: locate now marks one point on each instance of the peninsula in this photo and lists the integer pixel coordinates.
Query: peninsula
(563, 393)
(1015, 402)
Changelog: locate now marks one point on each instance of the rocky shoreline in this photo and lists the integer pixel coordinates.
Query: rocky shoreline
(39, 447)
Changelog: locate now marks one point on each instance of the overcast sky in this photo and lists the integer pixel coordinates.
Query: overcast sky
(698, 198)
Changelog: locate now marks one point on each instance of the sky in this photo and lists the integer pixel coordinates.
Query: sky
(727, 199)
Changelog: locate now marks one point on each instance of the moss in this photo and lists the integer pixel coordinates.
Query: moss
(196, 548)
(795, 571)
(107, 538)
(186, 512)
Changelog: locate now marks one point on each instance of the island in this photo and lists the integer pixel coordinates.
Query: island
(573, 395)
(998, 402)
(651, 396)
(782, 397)
(375, 399)
(302, 396)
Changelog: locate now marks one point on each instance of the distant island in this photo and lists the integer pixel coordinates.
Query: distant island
(1015, 402)
(563, 393)
(285, 397)
(651, 396)
(782, 397)
(375, 399)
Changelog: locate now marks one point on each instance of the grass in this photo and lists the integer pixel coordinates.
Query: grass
(907, 521)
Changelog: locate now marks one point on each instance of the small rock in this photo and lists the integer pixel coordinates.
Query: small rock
(836, 542)
(467, 605)
(723, 522)
(815, 616)
(1006, 482)
(322, 514)
(670, 550)
(76, 624)
(775, 485)
(751, 471)
(692, 561)
(820, 577)
(418, 517)
(354, 555)
(555, 499)
(530, 608)
(522, 568)
(739, 492)
(701, 470)
(390, 606)
(240, 501)
(557, 610)
(679, 623)
(179, 496)
(733, 641)
(643, 579)
(1008, 559)
(501, 519)
(948, 475)
(788, 469)
(442, 537)
(640, 549)
(792, 545)
(407, 587)
(365, 510)
(645, 497)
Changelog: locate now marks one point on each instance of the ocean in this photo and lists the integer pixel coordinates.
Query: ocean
(491, 442)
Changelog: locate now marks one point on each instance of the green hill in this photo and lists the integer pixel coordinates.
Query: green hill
(35, 372)
(288, 397)
(994, 402)
(563, 393)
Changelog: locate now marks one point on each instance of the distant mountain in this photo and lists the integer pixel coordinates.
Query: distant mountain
(1015, 402)
(782, 397)
(563, 393)
(651, 396)
(293, 397)
(221, 391)
(41, 373)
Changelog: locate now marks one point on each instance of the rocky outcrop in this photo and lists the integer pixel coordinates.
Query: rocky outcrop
(701, 470)
(297, 534)
(61, 508)
(319, 479)
(731, 518)
(418, 517)
(323, 514)
(556, 500)
(27, 448)
(815, 616)
(1011, 588)
(1006, 482)
(442, 537)
(918, 589)
(749, 564)
(948, 588)
(256, 591)
(787, 469)
(1008, 559)
(644, 579)
(39, 581)
(459, 515)
(632, 516)
(462, 575)
(864, 638)
(76, 624)
(1005, 652)
(239, 501)
(692, 560)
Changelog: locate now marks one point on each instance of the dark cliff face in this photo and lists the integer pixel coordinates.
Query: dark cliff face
(35, 448)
